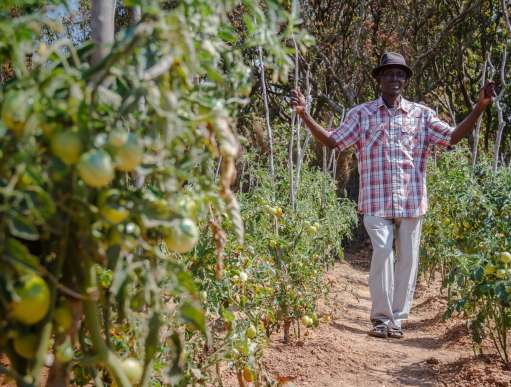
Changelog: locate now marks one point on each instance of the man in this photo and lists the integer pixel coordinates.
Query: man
(391, 137)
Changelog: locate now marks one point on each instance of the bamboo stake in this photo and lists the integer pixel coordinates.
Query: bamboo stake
(302, 149)
(295, 121)
(506, 15)
(266, 112)
(478, 124)
(500, 112)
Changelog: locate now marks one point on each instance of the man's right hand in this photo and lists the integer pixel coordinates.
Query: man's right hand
(297, 101)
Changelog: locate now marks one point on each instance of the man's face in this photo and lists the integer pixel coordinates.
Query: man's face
(392, 81)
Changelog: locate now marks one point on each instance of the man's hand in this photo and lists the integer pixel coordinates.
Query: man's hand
(486, 94)
(297, 101)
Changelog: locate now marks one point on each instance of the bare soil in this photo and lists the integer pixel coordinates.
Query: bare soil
(339, 352)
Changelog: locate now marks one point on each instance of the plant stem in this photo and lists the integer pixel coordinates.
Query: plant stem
(105, 355)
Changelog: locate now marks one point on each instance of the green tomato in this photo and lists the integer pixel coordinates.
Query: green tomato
(118, 137)
(251, 332)
(129, 155)
(307, 321)
(243, 276)
(312, 230)
(182, 235)
(505, 257)
(64, 352)
(33, 300)
(15, 111)
(63, 317)
(133, 370)
(489, 270)
(67, 146)
(114, 215)
(110, 208)
(26, 345)
(95, 168)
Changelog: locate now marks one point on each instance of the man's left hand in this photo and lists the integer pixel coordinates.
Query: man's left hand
(486, 94)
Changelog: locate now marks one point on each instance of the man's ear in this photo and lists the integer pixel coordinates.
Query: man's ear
(378, 80)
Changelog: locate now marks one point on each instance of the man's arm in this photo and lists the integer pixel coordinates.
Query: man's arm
(298, 103)
(466, 126)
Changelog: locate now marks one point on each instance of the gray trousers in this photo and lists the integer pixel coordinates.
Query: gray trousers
(392, 276)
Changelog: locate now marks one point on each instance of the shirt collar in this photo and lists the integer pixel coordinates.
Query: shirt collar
(404, 105)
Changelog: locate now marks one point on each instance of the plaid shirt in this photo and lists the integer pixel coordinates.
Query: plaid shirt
(392, 146)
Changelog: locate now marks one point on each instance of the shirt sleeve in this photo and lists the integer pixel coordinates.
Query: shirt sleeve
(439, 132)
(348, 132)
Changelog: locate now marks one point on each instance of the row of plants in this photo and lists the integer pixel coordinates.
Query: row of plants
(467, 238)
(126, 258)
(273, 281)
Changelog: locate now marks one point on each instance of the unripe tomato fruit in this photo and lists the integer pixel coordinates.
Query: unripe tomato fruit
(15, 110)
(118, 137)
(505, 257)
(187, 207)
(133, 370)
(63, 318)
(251, 332)
(312, 229)
(64, 352)
(307, 321)
(66, 146)
(182, 235)
(129, 155)
(114, 215)
(243, 276)
(109, 208)
(26, 345)
(34, 300)
(489, 270)
(95, 168)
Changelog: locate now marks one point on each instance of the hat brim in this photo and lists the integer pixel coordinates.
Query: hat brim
(377, 70)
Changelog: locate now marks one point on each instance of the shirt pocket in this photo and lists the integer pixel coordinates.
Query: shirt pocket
(408, 137)
(375, 136)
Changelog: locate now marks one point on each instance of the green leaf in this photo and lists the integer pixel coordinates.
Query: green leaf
(152, 341)
(228, 316)
(247, 19)
(176, 371)
(227, 34)
(22, 228)
(19, 255)
(192, 314)
(501, 293)
(42, 201)
(186, 281)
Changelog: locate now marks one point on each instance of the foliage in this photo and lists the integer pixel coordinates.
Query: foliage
(275, 279)
(467, 234)
(98, 165)
(445, 43)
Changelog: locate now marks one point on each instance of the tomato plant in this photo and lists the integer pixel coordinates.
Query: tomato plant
(468, 235)
(108, 176)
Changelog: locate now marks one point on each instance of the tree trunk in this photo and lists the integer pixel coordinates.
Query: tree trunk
(500, 112)
(102, 27)
(267, 112)
(478, 124)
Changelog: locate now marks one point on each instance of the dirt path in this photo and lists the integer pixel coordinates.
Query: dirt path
(340, 353)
